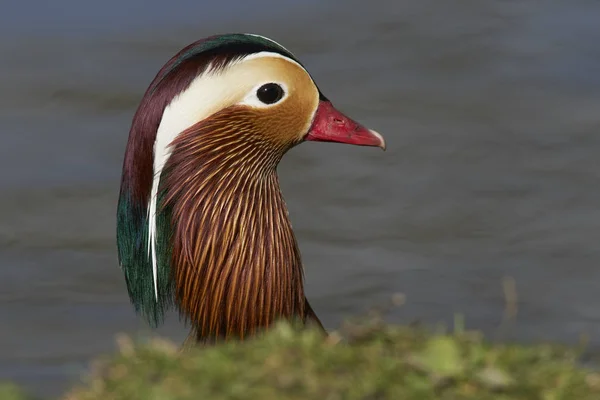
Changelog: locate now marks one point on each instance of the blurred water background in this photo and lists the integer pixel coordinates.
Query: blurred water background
(491, 114)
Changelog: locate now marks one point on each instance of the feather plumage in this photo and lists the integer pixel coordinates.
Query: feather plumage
(201, 221)
(236, 261)
(135, 212)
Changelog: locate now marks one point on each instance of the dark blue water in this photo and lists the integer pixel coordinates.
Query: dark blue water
(75, 17)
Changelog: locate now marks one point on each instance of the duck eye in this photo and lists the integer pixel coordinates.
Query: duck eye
(269, 93)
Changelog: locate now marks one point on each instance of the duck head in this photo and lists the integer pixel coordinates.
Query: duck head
(201, 222)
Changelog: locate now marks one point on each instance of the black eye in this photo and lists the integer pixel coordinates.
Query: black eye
(269, 93)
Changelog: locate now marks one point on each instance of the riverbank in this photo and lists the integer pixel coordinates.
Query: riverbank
(361, 361)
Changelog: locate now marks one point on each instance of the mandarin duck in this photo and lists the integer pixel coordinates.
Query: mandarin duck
(201, 221)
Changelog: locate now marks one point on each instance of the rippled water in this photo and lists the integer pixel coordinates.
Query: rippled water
(491, 114)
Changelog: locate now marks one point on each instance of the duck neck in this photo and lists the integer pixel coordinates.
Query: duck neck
(235, 261)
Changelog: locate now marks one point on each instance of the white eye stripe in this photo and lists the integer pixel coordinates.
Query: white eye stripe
(266, 38)
(265, 54)
(252, 99)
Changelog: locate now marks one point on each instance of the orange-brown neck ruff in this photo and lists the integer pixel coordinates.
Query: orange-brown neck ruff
(236, 262)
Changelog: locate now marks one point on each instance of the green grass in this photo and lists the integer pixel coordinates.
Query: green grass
(363, 361)
(8, 391)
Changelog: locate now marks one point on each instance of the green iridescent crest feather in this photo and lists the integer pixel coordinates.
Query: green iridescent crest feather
(132, 239)
(216, 43)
